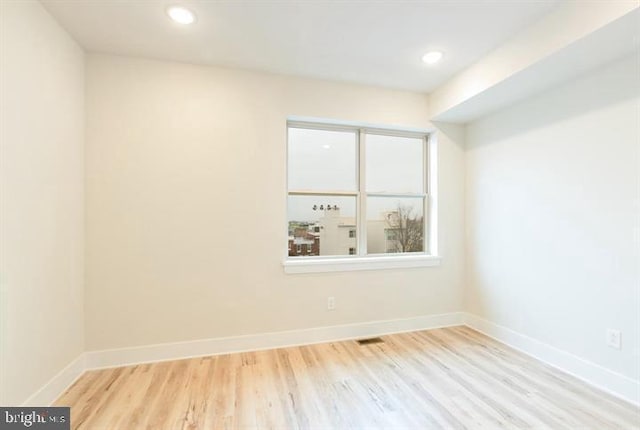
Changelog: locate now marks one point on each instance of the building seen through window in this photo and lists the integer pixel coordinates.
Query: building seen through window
(334, 234)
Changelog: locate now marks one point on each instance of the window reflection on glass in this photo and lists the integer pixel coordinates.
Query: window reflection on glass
(322, 160)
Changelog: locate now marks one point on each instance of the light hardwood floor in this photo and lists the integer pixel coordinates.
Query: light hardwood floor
(452, 378)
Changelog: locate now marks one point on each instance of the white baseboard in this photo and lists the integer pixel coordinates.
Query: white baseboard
(602, 378)
(93, 360)
(49, 392)
(255, 342)
(593, 374)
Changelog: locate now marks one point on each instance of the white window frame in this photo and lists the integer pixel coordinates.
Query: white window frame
(362, 260)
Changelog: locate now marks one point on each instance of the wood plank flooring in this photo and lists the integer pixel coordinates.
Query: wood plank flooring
(451, 378)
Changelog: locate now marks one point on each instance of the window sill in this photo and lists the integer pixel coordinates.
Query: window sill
(359, 263)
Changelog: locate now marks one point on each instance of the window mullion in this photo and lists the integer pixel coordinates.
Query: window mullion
(321, 193)
(362, 195)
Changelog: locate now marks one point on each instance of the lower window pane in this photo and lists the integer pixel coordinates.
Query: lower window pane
(322, 225)
(395, 225)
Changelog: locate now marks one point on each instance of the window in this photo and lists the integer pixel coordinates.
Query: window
(391, 234)
(363, 193)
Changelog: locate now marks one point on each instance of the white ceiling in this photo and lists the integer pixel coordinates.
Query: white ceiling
(369, 42)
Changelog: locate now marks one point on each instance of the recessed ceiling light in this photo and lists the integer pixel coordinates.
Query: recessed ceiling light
(326, 146)
(181, 15)
(432, 57)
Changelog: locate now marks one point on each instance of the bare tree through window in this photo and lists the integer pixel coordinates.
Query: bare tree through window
(405, 232)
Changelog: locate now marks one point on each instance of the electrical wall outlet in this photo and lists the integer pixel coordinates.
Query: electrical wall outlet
(331, 303)
(614, 338)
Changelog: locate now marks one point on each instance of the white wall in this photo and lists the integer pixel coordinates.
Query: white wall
(186, 206)
(41, 199)
(553, 216)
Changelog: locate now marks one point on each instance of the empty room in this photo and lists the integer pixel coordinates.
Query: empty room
(315, 214)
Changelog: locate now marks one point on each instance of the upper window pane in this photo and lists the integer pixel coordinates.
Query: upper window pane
(394, 164)
(322, 160)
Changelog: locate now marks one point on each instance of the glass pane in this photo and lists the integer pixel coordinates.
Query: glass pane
(395, 225)
(394, 164)
(322, 160)
(322, 225)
